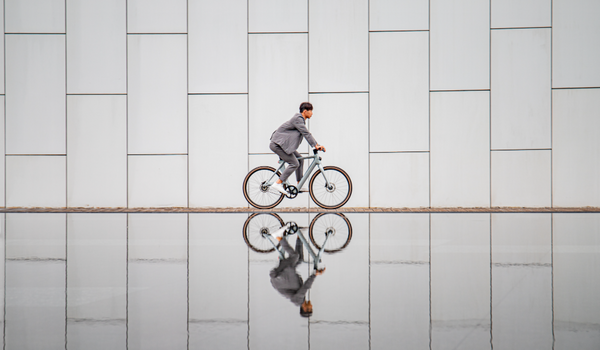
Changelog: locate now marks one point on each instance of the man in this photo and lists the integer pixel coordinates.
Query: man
(287, 281)
(286, 140)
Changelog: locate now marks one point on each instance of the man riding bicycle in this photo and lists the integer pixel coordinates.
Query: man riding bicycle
(286, 140)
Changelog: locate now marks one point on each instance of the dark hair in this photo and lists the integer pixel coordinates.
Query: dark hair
(306, 106)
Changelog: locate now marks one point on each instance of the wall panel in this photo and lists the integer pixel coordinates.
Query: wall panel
(277, 16)
(96, 46)
(575, 34)
(399, 180)
(521, 89)
(340, 124)
(157, 94)
(278, 84)
(398, 15)
(97, 151)
(399, 92)
(460, 45)
(338, 45)
(576, 240)
(218, 46)
(224, 321)
(521, 13)
(576, 146)
(97, 280)
(158, 181)
(212, 117)
(34, 16)
(157, 281)
(36, 181)
(460, 281)
(460, 153)
(156, 16)
(521, 239)
(328, 307)
(36, 236)
(521, 178)
(35, 94)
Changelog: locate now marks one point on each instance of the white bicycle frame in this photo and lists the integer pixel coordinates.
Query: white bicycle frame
(315, 256)
(315, 163)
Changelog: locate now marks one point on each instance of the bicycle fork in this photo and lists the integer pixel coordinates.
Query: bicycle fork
(327, 183)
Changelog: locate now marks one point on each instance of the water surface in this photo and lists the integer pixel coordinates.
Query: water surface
(411, 281)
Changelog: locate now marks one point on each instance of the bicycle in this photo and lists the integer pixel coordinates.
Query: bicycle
(330, 187)
(328, 232)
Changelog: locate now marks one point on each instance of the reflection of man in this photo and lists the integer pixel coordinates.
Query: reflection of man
(288, 282)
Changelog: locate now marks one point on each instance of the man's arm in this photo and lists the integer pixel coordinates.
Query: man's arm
(299, 125)
(299, 296)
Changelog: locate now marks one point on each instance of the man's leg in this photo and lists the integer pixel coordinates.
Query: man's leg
(299, 250)
(300, 170)
(288, 158)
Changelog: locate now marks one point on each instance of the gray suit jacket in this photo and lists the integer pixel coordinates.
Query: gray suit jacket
(289, 134)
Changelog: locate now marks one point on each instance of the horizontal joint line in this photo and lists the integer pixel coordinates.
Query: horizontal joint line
(35, 155)
(337, 92)
(157, 154)
(259, 33)
(385, 152)
(35, 33)
(576, 88)
(400, 31)
(215, 93)
(157, 33)
(97, 94)
(474, 90)
(512, 28)
(520, 149)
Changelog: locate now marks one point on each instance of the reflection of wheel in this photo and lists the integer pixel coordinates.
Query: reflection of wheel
(336, 225)
(336, 194)
(256, 227)
(257, 193)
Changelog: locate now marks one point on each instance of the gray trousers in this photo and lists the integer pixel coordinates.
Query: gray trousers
(293, 163)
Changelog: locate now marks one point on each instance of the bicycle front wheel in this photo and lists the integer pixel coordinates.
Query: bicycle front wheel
(256, 191)
(257, 227)
(334, 195)
(333, 226)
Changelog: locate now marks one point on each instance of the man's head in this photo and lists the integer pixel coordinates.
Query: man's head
(306, 106)
(306, 110)
(306, 309)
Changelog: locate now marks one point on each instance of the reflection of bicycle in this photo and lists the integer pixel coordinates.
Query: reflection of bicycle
(328, 232)
(330, 187)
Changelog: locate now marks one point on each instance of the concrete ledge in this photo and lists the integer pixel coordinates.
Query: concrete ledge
(299, 210)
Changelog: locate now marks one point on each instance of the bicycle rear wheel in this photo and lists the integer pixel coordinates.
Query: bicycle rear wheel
(257, 193)
(336, 194)
(336, 225)
(257, 227)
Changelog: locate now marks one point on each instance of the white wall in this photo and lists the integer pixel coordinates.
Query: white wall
(131, 103)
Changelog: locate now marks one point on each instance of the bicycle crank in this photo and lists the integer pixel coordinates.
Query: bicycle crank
(292, 191)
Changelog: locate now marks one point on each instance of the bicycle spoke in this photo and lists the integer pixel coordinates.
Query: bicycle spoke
(337, 194)
(256, 193)
(333, 227)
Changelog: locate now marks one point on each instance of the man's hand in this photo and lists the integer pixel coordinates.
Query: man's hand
(320, 148)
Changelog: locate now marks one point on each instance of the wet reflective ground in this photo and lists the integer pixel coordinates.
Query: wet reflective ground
(402, 281)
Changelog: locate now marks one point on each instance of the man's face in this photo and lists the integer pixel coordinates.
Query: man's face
(307, 114)
(307, 306)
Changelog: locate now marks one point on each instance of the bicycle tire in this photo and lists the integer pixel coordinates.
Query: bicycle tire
(258, 196)
(330, 198)
(255, 226)
(338, 223)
